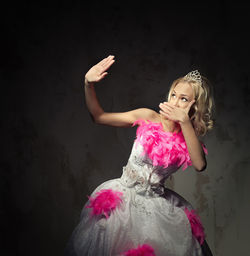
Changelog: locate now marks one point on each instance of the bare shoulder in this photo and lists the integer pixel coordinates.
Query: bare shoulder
(147, 114)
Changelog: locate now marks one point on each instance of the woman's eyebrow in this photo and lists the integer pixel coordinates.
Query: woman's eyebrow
(181, 94)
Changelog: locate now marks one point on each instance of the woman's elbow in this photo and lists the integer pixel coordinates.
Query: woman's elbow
(92, 118)
(201, 166)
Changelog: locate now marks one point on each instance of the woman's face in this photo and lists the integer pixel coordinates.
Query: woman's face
(181, 95)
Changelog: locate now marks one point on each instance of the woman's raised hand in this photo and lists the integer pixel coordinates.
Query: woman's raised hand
(175, 113)
(98, 72)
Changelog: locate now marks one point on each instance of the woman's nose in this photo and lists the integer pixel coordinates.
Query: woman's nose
(176, 102)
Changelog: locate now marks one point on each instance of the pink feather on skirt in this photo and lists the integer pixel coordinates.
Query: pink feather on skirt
(196, 225)
(105, 201)
(143, 250)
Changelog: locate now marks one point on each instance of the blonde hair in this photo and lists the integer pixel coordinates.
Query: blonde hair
(202, 110)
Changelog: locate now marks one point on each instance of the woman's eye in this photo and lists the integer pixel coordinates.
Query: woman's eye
(173, 95)
(184, 99)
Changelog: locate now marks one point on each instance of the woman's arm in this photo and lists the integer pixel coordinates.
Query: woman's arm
(123, 119)
(194, 146)
(195, 149)
(95, 74)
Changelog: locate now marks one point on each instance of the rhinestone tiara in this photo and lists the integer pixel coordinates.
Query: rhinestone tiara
(195, 76)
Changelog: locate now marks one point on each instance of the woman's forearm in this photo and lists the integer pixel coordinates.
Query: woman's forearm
(194, 146)
(92, 102)
(96, 74)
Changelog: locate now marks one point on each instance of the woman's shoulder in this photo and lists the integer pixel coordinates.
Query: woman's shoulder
(147, 114)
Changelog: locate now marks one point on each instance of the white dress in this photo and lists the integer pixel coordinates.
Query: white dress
(146, 212)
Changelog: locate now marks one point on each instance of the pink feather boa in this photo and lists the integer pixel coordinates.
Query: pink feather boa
(163, 148)
(196, 225)
(143, 250)
(104, 202)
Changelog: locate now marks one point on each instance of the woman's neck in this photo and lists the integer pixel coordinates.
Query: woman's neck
(169, 125)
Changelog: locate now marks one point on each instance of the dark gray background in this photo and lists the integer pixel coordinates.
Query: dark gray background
(53, 155)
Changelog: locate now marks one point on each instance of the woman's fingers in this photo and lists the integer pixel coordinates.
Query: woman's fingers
(165, 107)
(162, 112)
(102, 76)
(105, 64)
(108, 64)
(165, 110)
(102, 61)
(106, 60)
(168, 104)
(167, 115)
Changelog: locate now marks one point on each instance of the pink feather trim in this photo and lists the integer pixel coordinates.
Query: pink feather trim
(163, 148)
(106, 200)
(143, 250)
(196, 225)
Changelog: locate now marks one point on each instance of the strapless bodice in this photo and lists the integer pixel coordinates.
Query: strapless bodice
(155, 155)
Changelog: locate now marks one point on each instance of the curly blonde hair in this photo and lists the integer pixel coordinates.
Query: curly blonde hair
(202, 110)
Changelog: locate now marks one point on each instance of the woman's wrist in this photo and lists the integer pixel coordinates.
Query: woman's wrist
(185, 122)
(87, 83)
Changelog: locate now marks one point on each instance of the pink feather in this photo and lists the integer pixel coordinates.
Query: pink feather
(143, 250)
(196, 225)
(106, 200)
(163, 148)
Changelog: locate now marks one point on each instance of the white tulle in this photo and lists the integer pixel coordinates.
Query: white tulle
(148, 214)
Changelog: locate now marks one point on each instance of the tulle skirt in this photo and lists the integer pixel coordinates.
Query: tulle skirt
(158, 222)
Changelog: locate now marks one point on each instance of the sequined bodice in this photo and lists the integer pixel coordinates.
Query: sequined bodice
(143, 175)
(155, 155)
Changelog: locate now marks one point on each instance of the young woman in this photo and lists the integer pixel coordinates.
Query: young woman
(136, 214)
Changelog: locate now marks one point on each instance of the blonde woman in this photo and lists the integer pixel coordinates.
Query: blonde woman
(136, 214)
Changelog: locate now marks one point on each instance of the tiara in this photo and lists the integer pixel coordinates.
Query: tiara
(194, 75)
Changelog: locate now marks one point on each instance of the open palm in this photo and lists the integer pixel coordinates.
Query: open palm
(98, 72)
